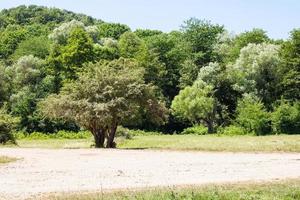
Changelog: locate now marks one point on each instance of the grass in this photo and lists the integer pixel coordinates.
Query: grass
(283, 190)
(274, 143)
(5, 159)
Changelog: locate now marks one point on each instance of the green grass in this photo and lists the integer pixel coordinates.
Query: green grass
(5, 159)
(275, 143)
(284, 190)
(284, 143)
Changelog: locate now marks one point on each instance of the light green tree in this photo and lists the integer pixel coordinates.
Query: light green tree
(255, 71)
(196, 104)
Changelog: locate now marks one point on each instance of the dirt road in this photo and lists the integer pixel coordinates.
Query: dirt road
(68, 170)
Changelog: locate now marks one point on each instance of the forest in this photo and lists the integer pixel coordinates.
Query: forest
(65, 71)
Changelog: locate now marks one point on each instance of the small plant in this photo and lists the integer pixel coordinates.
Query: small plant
(196, 130)
(124, 132)
(232, 130)
(7, 124)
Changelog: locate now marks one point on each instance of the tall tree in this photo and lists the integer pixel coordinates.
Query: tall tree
(201, 35)
(289, 71)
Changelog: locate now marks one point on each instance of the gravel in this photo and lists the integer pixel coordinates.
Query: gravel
(42, 171)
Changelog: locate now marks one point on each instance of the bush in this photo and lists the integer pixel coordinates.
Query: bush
(197, 130)
(233, 130)
(59, 135)
(124, 132)
(286, 118)
(7, 124)
(252, 116)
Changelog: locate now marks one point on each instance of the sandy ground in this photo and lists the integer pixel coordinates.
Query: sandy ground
(68, 170)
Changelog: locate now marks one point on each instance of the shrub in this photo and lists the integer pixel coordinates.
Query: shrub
(252, 116)
(59, 135)
(124, 132)
(197, 130)
(233, 130)
(7, 123)
(286, 118)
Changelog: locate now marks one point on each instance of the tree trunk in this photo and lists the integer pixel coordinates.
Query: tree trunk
(111, 137)
(210, 126)
(99, 137)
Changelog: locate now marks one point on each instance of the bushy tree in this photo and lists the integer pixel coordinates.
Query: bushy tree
(106, 95)
(112, 30)
(196, 104)
(201, 36)
(36, 46)
(9, 40)
(7, 124)
(77, 51)
(5, 85)
(286, 118)
(61, 34)
(255, 71)
(171, 52)
(252, 115)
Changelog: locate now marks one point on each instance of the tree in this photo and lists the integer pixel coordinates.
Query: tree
(201, 36)
(289, 71)
(106, 95)
(77, 51)
(26, 75)
(36, 46)
(7, 124)
(5, 85)
(61, 34)
(9, 40)
(196, 104)
(144, 33)
(112, 30)
(171, 52)
(255, 71)
(252, 115)
(130, 45)
(286, 117)
(228, 46)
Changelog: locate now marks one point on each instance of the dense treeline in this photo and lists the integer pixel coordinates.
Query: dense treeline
(61, 70)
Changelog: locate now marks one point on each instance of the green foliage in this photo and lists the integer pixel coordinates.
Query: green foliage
(252, 116)
(195, 130)
(77, 51)
(233, 130)
(286, 118)
(42, 49)
(255, 71)
(7, 124)
(5, 85)
(196, 104)
(36, 46)
(23, 15)
(9, 40)
(289, 71)
(201, 37)
(112, 30)
(144, 33)
(106, 95)
(130, 45)
(58, 135)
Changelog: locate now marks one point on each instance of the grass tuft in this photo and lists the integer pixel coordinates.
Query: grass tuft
(283, 190)
(5, 159)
